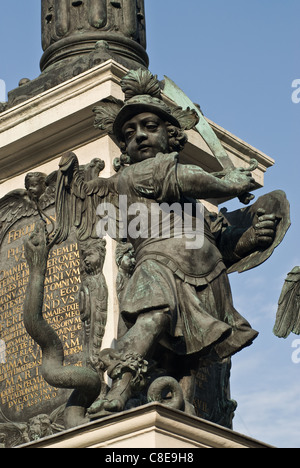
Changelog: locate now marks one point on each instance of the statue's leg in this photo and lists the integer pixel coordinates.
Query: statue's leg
(140, 340)
(144, 335)
(127, 364)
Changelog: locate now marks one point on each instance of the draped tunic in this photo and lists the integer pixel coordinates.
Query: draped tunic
(187, 281)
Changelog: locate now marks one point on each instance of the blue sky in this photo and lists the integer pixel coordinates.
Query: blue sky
(238, 60)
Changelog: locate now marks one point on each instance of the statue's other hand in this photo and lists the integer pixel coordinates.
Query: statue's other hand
(239, 181)
(264, 229)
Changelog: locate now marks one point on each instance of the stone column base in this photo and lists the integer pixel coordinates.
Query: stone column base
(149, 426)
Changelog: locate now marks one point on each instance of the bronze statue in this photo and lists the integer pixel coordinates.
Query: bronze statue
(176, 303)
(34, 206)
(42, 425)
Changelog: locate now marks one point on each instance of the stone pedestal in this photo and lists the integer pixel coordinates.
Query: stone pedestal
(153, 426)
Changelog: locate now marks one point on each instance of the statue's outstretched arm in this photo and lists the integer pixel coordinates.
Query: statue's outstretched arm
(196, 183)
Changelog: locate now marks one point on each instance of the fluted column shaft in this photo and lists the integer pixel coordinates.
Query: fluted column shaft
(73, 27)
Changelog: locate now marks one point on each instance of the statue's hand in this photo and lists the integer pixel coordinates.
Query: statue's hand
(259, 236)
(239, 181)
(36, 249)
(264, 229)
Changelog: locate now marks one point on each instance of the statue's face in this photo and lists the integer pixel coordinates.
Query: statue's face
(36, 186)
(39, 426)
(92, 260)
(145, 136)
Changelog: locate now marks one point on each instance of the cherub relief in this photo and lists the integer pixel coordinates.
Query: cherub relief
(39, 194)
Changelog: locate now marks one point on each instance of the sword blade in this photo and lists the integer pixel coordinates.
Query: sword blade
(173, 92)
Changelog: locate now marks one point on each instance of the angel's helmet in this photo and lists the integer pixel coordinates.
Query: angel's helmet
(143, 93)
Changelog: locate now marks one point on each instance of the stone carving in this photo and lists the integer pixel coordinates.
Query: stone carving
(176, 303)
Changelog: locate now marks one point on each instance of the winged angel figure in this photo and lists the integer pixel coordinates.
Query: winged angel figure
(178, 297)
(38, 195)
(34, 199)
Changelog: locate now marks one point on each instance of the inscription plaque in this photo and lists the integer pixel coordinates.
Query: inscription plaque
(23, 391)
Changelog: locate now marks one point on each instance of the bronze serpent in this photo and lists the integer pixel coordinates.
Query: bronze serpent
(84, 381)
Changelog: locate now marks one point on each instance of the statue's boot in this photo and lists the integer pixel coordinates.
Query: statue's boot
(127, 371)
(119, 394)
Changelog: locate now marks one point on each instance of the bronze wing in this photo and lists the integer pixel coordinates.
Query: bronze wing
(48, 197)
(77, 199)
(14, 206)
(288, 312)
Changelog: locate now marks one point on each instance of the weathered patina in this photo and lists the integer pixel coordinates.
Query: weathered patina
(176, 307)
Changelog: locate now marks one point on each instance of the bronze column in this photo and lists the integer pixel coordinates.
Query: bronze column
(71, 29)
